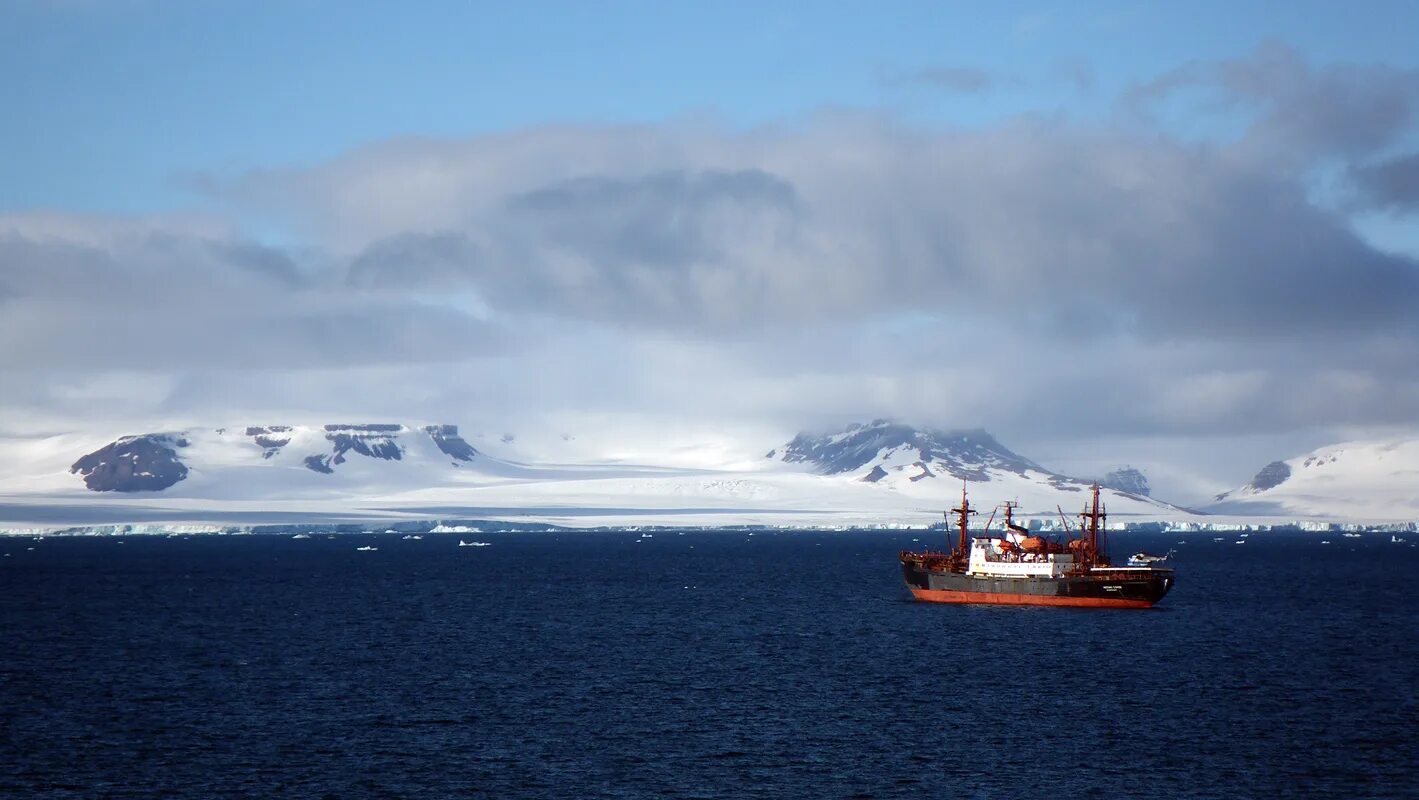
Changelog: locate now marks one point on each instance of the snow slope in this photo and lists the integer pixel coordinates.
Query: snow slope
(390, 471)
(1354, 481)
(879, 473)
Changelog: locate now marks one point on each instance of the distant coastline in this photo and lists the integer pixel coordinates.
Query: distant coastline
(19, 520)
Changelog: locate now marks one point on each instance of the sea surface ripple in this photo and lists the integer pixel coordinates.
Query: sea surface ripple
(701, 665)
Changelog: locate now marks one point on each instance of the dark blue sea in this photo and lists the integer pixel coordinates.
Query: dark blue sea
(699, 665)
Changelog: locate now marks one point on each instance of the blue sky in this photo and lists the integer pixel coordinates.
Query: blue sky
(111, 102)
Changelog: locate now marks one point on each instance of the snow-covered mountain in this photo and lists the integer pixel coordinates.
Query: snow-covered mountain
(156, 462)
(889, 450)
(1128, 479)
(146, 463)
(1351, 481)
(878, 473)
(922, 462)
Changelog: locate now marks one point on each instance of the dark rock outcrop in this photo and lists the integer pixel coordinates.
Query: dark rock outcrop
(875, 475)
(146, 463)
(1271, 476)
(372, 441)
(271, 438)
(452, 445)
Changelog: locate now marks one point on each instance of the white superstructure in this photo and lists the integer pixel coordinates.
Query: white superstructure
(989, 557)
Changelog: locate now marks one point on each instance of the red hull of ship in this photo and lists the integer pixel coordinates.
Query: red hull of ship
(999, 599)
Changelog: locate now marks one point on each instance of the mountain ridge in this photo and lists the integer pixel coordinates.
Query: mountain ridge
(965, 453)
(1362, 479)
(153, 462)
(874, 470)
(928, 462)
(888, 450)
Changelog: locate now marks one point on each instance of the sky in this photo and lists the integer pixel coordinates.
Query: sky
(1181, 236)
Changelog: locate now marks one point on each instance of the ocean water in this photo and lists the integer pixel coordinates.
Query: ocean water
(701, 665)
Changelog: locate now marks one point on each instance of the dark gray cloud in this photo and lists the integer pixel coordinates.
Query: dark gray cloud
(671, 248)
(1157, 239)
(664, 221)
(662, 210)
(417, 261)
(1345, 109)
(665, 247)
(1300, 111)
(173, 301)
(269, 261)
(1391, 184)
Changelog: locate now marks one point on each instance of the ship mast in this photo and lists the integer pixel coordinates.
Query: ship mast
(1094, 516)
(1010, 518)
(962, 515)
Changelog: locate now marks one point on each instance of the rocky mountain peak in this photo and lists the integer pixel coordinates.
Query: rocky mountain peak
(1127, 479)
(967, 454)
(144, 463)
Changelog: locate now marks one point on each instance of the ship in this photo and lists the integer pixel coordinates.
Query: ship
(1020, 568)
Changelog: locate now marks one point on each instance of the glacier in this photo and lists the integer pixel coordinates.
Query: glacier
(414, 478)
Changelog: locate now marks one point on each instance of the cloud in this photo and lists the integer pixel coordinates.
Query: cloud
(415, 261)
(139, 299)
(1299, 111)
(1033, 277)
(671, 248)
(963, 80)
(850, 266)
(1390, 184)
(1096, 233)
